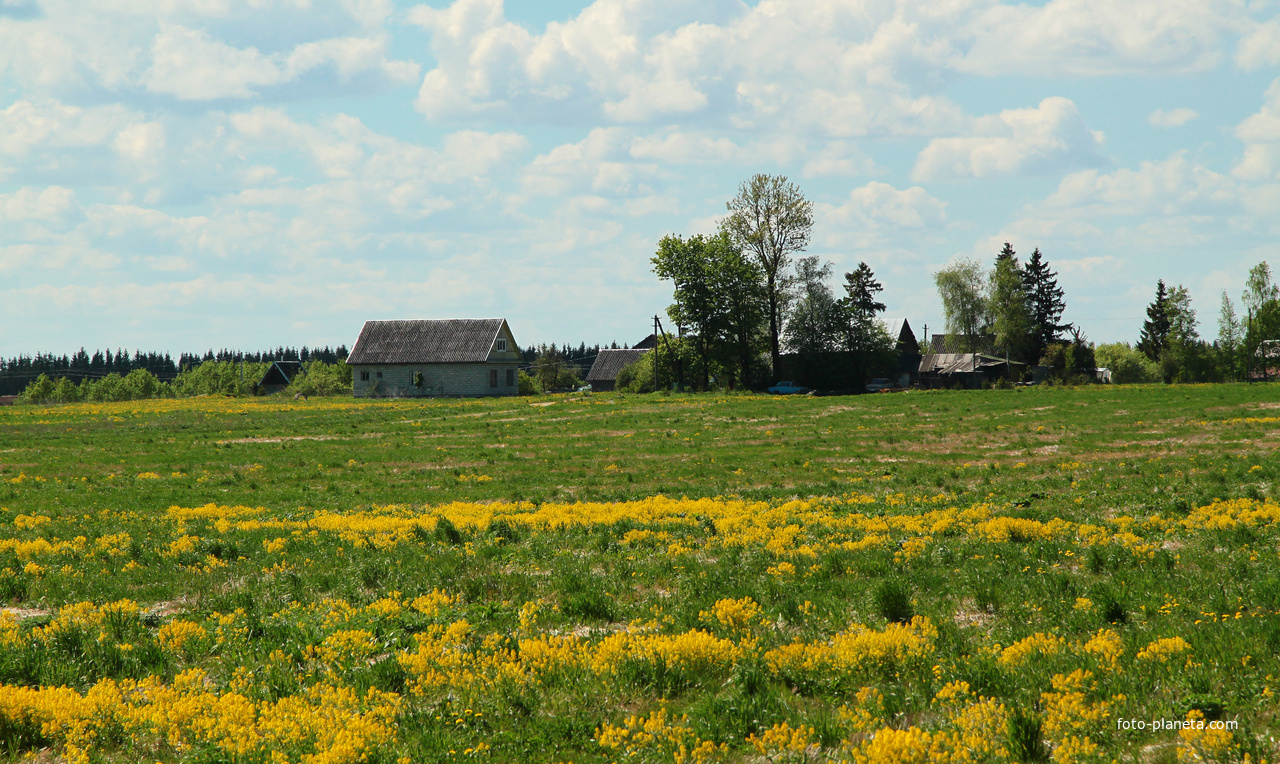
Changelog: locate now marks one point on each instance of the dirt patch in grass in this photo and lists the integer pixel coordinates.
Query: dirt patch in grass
(280, 439)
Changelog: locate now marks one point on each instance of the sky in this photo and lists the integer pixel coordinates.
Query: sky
(179, 175)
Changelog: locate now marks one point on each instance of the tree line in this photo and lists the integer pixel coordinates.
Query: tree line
(743, 299)
(1014, 311)
(1170, 348)
(18, 372)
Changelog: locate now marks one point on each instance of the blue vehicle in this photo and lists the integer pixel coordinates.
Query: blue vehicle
(788, 388)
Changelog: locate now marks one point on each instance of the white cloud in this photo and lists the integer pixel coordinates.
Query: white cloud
(141, 141)
(26, 126)
(1017, 141)
(1173, 186)
(1261, 47)
(48, 204)
(880, 205)
(1172, 118)
(1099, 37)
(191, 65)
(1260, 134)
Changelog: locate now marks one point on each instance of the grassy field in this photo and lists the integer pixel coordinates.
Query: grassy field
(1024, 575)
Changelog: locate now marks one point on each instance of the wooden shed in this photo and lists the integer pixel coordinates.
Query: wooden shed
(603, 376)
(279, 375)
(458, 357)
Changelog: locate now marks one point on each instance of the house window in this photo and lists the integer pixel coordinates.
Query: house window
(493, 377)
(379, 375)
(501, 346)
(364, 376)
(417, 379)
(511, 377)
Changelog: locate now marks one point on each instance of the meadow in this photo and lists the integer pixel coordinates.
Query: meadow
(967, 576)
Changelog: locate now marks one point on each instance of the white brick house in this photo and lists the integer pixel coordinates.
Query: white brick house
(450, 358)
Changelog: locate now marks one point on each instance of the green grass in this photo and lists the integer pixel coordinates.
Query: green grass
(1094, 456)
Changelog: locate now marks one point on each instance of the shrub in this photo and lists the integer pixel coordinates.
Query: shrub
(636, 377)
(893, 601)
(528, 385)
(320, 378)
(218, 378)
(1127, 365)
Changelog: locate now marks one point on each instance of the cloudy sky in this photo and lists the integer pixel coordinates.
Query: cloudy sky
(185, 174)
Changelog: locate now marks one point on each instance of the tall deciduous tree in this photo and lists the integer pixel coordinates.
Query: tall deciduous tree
(1259, 289)
(1011, 320)
(717, 295)
(1045, 301)
(771, 220)
(962, 289)
(1155, 330)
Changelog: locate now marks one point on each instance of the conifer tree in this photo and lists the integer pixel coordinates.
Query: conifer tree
(1045, 301)
(1011, 320)
(1155, 330)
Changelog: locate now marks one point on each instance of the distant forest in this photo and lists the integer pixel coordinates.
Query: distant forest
(16, 373)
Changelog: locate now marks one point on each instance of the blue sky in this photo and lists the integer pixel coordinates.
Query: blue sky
(186, 174)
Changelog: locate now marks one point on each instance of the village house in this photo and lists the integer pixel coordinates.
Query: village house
(435, 358)
(603, 376)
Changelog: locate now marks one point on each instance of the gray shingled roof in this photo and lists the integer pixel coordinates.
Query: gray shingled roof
(609, 362)
(455, 340)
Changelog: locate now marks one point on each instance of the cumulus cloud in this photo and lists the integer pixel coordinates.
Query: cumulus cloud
(1097, 37)
(881, 206)
(1172, 186)
(1049, 137)
(1261, 47)
(48, 204)
(200, 51)
(1172, 118)
(1260, 134)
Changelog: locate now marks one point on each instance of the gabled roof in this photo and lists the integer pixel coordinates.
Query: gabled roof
(893, 327)
(609, 362)
(454, 340)
(281, 372)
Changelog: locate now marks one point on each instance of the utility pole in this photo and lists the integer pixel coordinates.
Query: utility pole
(1248, 354)
(655, 352)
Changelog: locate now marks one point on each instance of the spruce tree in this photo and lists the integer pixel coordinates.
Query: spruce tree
(861, 306)
(1045, 300)
(1011, 320)
(1155, 330)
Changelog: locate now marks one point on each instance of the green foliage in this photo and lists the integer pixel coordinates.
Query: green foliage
(1011, 320)
(1045, 303)
(862, 330)
(962, 289)
(817, 322)
(770, 220)
(1155, 330)
(552, 371)
(527, 385)
(1127, 364)
(218, 378)
(636, 377)
(137, 385)
(319, 378)
(893, 600)
(720, 298)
